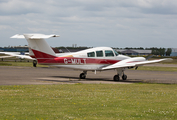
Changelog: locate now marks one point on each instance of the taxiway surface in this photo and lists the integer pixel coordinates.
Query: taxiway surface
(29, 75)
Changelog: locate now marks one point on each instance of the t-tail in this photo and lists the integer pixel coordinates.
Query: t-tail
(42, 51)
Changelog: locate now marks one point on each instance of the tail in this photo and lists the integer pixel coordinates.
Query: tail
(39, 46)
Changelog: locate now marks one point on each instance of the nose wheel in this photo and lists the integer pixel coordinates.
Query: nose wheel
(124, 77)
(116, 78)
(120, 72)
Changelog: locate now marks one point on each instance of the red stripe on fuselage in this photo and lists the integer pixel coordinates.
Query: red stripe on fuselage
(75, 61)
(44, 58)
(39, 54)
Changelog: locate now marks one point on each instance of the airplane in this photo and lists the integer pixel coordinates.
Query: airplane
(20, 55)
(93, 59)
(27, 55)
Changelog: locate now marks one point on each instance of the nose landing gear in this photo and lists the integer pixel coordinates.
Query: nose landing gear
(120, 72)
(124, 77)
(116, 78)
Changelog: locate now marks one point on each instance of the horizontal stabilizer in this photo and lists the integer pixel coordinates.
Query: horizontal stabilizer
(18, 36)
(35, 36)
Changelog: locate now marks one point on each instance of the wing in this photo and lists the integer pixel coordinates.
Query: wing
(16, 54)
(10, 53)
(134, 62)
(5, 56)
(25, 57)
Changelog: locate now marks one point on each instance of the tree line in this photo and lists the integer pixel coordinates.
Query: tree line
(155, 50)
(161, 51)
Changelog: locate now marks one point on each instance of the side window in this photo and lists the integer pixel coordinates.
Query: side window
(91, 54)
(99, 53)
(109, 53)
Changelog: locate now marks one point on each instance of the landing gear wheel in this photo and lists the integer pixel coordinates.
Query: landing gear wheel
(124, 77)
(116, 78)
(82, 76)
(34, 63)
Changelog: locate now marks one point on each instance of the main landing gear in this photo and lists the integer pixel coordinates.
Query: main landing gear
(83, 75)
(34, 63)
(120, 72)
(117, 78)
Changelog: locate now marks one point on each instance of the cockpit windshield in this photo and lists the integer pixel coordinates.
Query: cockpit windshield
(116, 53)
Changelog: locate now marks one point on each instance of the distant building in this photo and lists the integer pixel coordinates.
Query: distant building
(14, 49)
(133, 52)
(20, 49)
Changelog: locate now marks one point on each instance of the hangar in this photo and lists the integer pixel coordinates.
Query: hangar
(174, 52)
(133, 52)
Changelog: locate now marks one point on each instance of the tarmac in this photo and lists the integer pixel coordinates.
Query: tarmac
(11, 75)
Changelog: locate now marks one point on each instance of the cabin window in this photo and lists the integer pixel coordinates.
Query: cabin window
(99, 53)
(109, 53)
(91, 54)
(116, 53)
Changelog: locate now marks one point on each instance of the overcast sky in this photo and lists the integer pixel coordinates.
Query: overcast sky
(113, 23)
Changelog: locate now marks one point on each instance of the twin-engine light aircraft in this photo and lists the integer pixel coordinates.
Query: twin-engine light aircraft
(93, 59)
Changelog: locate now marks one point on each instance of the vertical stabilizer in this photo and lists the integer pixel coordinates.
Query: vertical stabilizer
(38, 45)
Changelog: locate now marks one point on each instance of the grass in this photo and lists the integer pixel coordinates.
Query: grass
(89, 101)
(13, 61)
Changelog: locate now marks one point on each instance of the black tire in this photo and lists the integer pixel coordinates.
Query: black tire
(116, 78)
(124, 77)
(34, 63)
(82, 76)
